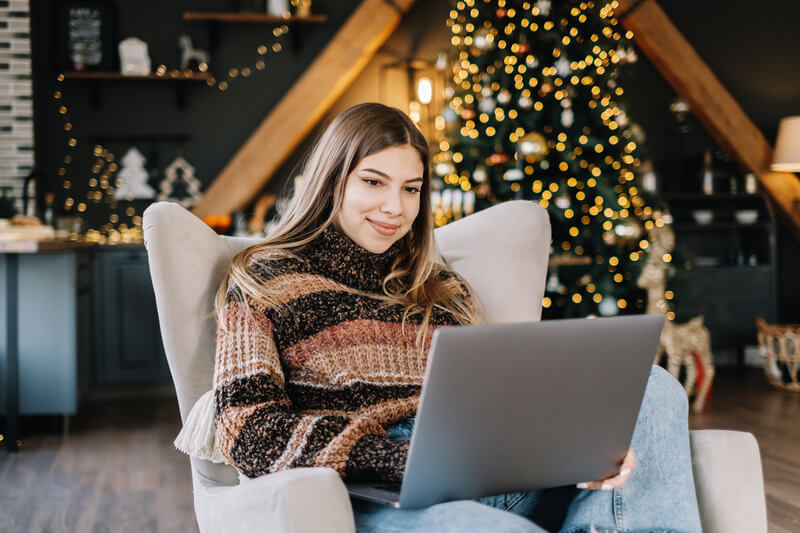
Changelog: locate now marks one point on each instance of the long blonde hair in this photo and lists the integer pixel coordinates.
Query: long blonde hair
(418, 279)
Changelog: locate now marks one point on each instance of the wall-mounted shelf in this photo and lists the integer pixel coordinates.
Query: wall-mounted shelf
(251, 18)
(178, 78)
(215, 19)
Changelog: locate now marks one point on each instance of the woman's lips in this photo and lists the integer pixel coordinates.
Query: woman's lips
(383, 229)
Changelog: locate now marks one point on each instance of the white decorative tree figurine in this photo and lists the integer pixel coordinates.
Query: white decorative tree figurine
(180, 172)
(132, 178)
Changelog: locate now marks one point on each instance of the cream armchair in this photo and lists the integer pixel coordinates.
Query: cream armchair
(502, 252)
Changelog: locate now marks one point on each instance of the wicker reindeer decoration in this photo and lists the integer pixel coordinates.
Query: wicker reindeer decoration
(687, 345)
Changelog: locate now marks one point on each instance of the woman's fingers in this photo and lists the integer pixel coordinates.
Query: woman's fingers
(615, 482)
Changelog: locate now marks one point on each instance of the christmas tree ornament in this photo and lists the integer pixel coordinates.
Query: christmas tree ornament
(468, 113)
(533, 146)
(444, 168)
(180, 185)
(486, 105)
(562, 67)
(486, 91)
(497, 158)
(608, 307)
(513, 174)
(628, 230)
(649, 179)
(567, 118)
(563, 202)
(501, 12)
(610, 238)
(132, 178)
(544, 7)
(504, 97)
(553, 283)
(622, 119)
(469, 203)
(531, 61)
(636, 133)
(525, 102)
(523, 49)
(480, 175)
(483, 40)
(449, 115)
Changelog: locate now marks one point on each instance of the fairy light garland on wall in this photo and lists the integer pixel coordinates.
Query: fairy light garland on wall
(125, 226)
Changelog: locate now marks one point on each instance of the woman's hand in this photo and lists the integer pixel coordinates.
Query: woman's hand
(625, 469)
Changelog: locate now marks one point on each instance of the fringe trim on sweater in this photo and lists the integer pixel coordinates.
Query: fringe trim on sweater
(198, 437)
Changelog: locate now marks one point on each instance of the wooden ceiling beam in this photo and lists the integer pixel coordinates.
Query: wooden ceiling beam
(710, 102)
(293, 118)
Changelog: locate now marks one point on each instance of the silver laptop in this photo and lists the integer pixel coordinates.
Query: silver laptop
(523, 406)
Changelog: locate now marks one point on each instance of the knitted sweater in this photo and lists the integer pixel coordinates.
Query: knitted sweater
(314, 380)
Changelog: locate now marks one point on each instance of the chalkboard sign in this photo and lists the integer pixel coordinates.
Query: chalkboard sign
(86, 35)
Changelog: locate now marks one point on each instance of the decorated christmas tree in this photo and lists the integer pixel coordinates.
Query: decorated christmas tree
(536, 111)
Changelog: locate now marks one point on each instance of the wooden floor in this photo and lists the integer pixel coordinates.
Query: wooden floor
(116, 470)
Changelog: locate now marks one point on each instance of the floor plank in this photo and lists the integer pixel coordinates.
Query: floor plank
(116, 469)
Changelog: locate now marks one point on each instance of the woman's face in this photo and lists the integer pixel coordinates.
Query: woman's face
(381, 198)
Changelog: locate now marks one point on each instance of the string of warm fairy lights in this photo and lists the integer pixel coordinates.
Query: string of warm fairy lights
(559, 80)
(125, 227)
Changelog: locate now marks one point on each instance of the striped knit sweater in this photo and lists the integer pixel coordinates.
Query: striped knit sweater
(314, 381)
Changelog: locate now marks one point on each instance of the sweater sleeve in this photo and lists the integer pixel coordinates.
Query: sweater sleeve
(260, 431)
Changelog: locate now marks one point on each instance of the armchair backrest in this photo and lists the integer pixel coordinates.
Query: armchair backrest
(501, 251)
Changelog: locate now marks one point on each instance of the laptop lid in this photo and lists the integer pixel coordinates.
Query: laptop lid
(523, 406)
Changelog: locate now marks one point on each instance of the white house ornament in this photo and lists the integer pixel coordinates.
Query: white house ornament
(132, 178)
(180, 185)
(134, 58)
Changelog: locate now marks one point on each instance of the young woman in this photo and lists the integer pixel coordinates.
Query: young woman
(323, 334)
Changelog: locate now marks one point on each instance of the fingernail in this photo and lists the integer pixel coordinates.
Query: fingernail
(582, 485)
(606, 486)
(625, 472)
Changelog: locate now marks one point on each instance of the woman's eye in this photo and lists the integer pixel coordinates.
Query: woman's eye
(412, 190)
(372, 182)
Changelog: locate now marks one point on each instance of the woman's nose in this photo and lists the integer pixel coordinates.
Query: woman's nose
(392, 204)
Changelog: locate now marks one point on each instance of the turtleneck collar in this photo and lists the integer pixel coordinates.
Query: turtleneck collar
(341, 259)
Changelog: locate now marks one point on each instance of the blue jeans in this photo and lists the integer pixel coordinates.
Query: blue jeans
(658, 497)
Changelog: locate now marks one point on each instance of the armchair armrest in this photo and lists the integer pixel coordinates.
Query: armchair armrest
(729, 481)
(302, 500)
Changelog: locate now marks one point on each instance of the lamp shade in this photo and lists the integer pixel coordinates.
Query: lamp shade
(787, 146)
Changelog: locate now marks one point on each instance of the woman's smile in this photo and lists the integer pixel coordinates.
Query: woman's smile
(383, 228)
